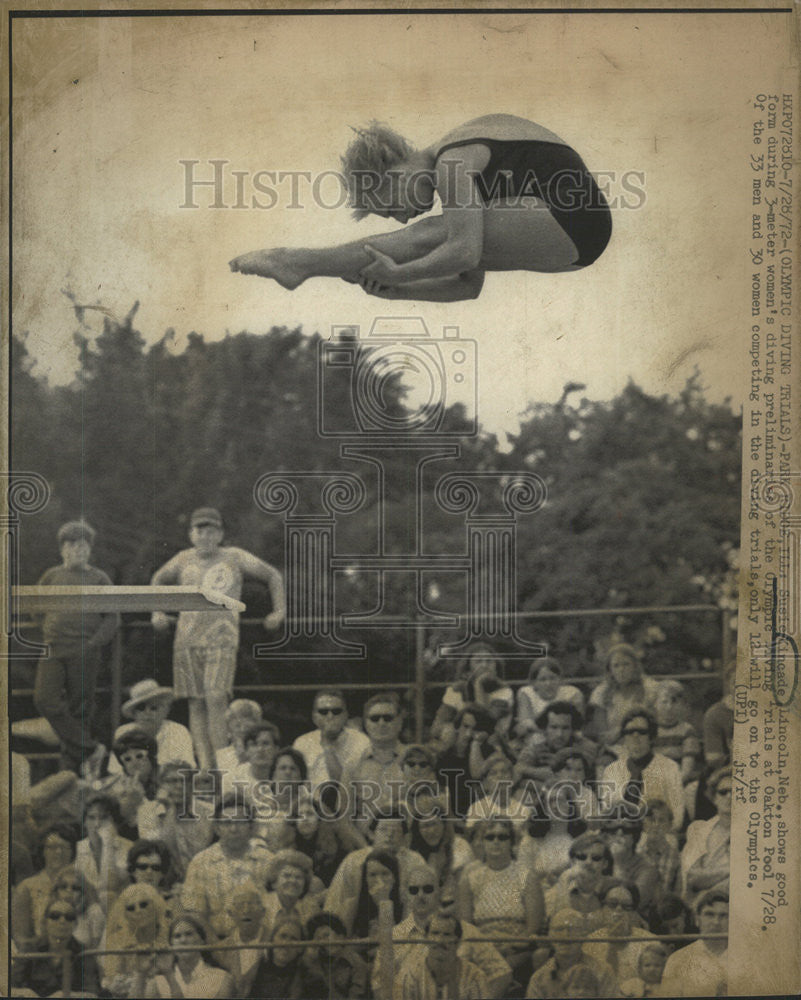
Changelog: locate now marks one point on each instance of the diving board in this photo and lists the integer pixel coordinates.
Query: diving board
(107, 600)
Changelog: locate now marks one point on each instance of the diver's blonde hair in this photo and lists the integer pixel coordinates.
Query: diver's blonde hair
(376, 150)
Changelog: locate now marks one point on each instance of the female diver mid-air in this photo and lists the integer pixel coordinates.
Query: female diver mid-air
(514, 197)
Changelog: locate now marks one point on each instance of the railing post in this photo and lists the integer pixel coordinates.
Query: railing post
(419, 680)
(116, 677)
(386, 960)
(725, 639)
(66, 975)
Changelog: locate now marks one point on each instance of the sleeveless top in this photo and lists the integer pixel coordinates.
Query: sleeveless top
(552, 172)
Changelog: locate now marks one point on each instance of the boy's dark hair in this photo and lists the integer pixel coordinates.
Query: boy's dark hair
(70, 832)
(234, 801)
(74, 531)
(329, 692)
(560, 708)
(619, 883)
(452, 919)
(640, 713)
(325, 919)
(384, 698)
(396, 814)
(106, 802)
(136, 739)
(485, 723)
(296, 756)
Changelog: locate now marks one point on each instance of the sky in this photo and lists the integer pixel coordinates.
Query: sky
(106, 110)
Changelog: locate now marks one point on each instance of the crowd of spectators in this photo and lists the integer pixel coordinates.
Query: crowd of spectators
(528, 817)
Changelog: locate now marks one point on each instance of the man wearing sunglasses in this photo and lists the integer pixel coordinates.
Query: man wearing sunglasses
(375, 782)
(334, 745)
(423, 898)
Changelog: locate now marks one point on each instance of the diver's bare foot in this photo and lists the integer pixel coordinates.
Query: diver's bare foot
(282, 265)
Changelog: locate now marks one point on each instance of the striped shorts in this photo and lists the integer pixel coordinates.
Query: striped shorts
(198, 670)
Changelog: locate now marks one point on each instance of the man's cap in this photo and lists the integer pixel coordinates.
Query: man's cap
(206, 516)
(75, 531)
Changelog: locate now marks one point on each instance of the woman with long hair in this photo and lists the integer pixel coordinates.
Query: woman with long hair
(625, 686)
(325, 843)
(433, 837)
(380, 882)
(477, 682)
(137, 920)
(71, 887)
(102, 856)
(514, 197)
(288, 774)
(544, 686)
(56, 848)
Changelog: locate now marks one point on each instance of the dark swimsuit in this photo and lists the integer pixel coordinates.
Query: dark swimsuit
(554, 173)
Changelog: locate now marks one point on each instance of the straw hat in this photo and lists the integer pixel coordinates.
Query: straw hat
(144, 691)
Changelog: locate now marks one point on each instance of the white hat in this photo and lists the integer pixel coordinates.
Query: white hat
(144, 691)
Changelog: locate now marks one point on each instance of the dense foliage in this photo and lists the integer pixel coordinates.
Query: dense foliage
(643, 491)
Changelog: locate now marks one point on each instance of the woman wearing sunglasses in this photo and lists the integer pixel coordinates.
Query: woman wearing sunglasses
(619, 905)
(639, 775)
(502, 897)
(136, 784)
(44, 976)
(579, 886)
(138, 920)
(71, 887)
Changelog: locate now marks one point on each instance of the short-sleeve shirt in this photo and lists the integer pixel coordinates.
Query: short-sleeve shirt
(215, 627)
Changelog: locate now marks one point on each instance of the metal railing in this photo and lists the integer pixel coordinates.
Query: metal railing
(384, 942)
(421, 682)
